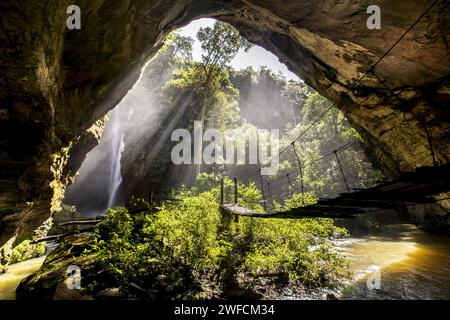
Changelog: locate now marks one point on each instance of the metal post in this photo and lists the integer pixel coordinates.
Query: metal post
(235, 191)
(300, 169)
(262, 190)
(221, 192)
(236, 217)
(342, 171)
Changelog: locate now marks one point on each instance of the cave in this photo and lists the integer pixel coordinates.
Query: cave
(57, 84)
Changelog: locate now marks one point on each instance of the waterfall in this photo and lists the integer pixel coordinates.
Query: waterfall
(98, 186)
(117, 147)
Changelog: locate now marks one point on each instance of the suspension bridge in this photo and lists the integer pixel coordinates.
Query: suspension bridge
(421, 186)
(411, 188)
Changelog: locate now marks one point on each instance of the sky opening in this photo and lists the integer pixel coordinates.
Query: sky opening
(256, 57)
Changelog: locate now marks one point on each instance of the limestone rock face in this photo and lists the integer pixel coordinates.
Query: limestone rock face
(49, 282)
(55, 83)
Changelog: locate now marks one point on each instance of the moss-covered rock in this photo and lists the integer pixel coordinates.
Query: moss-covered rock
(27, 250)
(49, 281)
(68, 213)
(56, 83)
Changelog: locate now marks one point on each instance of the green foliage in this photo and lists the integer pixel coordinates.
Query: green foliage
(118, 220)
(27, 250)
(187, 248)
(248, 195)
(188, 231)
(114, 247)
(68, 213)
(220, 44)
(216, 97)
(182, 46)
(328, 134)
(297, 248)
(160, 250)
(301, 200)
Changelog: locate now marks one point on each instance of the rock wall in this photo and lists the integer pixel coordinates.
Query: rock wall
(55, 83)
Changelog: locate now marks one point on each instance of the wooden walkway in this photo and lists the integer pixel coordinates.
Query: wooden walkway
(416, 187)
(297, 213)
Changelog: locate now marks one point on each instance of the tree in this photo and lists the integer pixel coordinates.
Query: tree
(182, 46)
(174, 55)
(296, 94)
(219, 44)
(328, 134)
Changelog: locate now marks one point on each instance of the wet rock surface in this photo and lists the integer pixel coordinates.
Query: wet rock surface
(56, 84)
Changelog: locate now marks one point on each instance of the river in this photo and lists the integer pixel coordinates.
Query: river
(16, 272)
(413, 264)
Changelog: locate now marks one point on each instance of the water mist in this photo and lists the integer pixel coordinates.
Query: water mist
(117, 147)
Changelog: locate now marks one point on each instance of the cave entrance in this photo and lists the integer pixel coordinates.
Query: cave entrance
(246, 88)
(329, 46)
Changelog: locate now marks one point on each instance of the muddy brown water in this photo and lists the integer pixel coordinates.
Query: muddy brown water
(16, 273)
(412, 264)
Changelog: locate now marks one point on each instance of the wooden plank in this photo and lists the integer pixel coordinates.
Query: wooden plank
(55, 237)
(238, 210)
(324, 210)
(297, 213)
(358, 203)
(80, 222)
(411, 187)
(392, 196)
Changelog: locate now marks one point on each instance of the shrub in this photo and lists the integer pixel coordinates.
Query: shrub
(27, 250)
(187, 247)
(189, 230)
(297, 248)
(301, 200)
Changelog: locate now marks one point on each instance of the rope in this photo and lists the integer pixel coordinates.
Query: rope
(342, 171)
(422, 123)
(301, 172)
(343, 147)
(371, 69)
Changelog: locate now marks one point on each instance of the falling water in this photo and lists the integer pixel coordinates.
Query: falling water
(98, 185)
(117, 147)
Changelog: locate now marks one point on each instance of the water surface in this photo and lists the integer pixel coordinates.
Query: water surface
(16, 273)
(413, 264)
